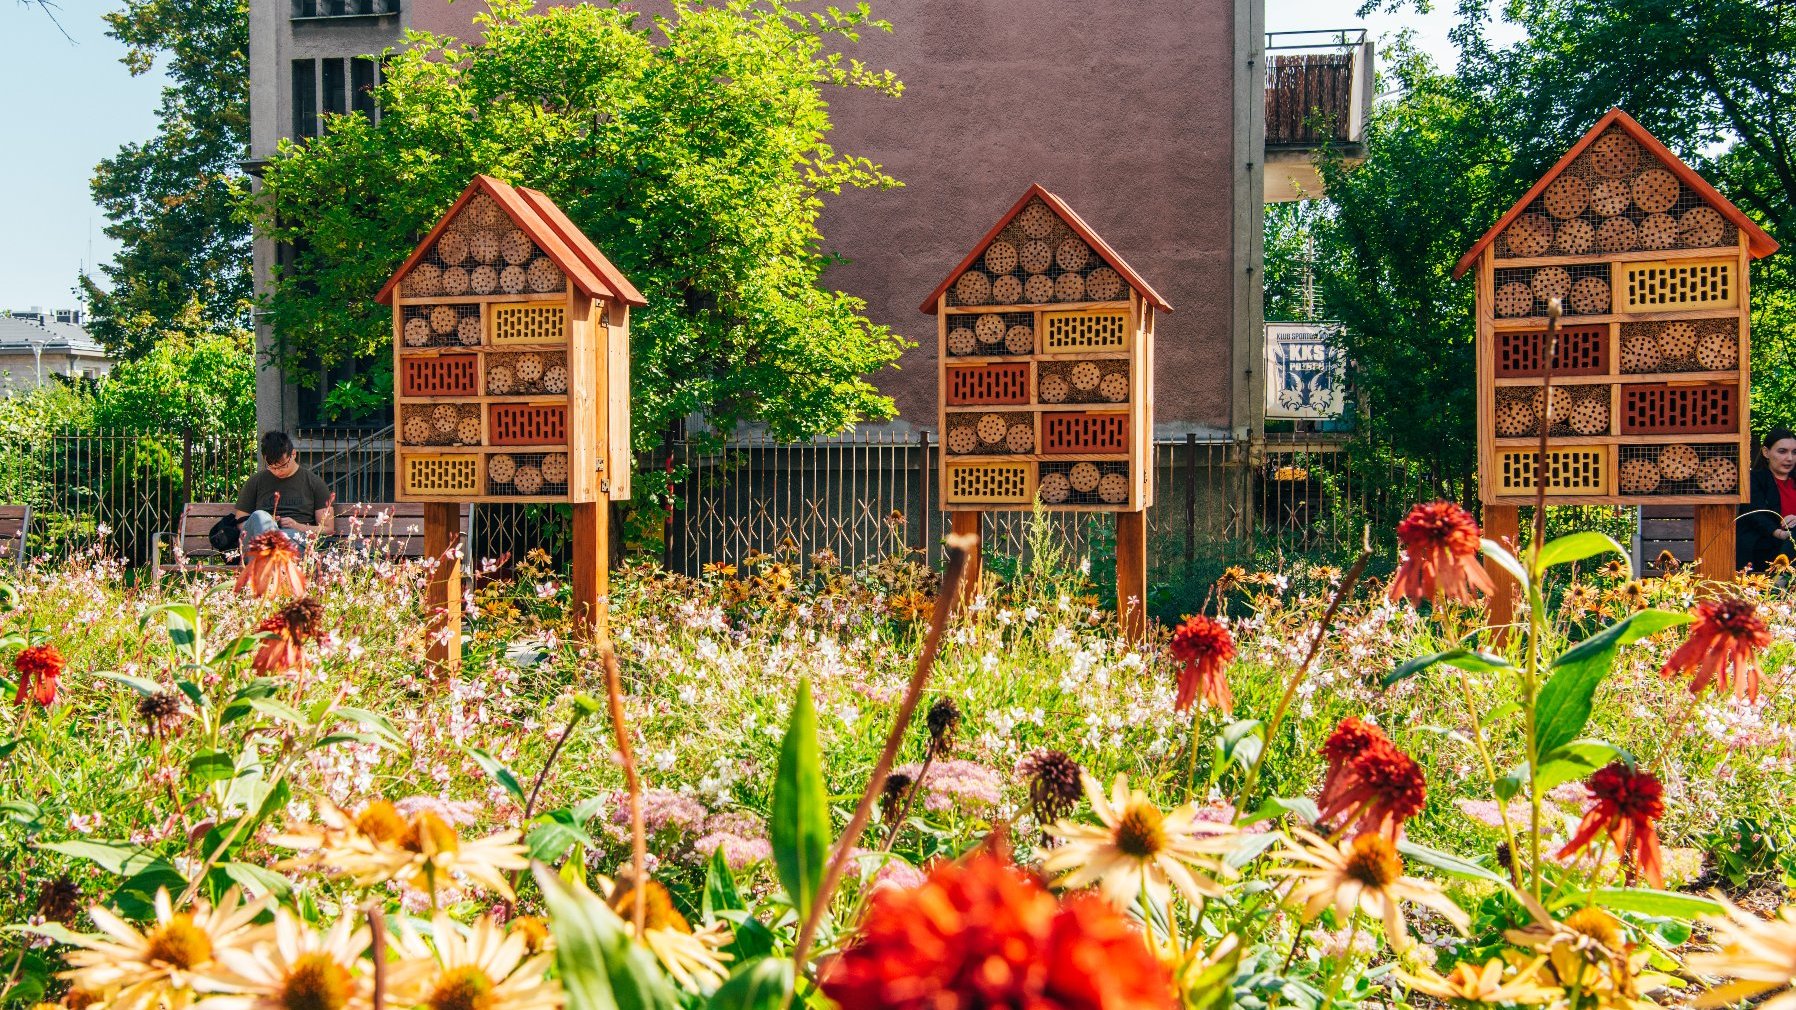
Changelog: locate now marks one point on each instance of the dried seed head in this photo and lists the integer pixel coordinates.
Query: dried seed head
(1054, 787)
(943, 722)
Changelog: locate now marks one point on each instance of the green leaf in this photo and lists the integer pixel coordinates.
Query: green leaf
(1248, 848)
(587, 705)
(21, 812)
(258, 880)
(277, 710)
(184, 628)
(211, 766)
(1579, 546)
(1563, 708)
(142, 685)
(554, 836)
(600, 967)
(1302, 807)
(241, 645)
(1645, 901)
(799, 827)
(749, 937)
(123, 858)
(762, 984)
(1462, 658)
(55, 931)
(720, 888)
(499, 772)
(1450, 864)
(1506, 561)
(373, 721)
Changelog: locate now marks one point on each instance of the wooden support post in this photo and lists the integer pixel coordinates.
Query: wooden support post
(1715, 542)
(442, 542)
(1131, 574)
(590, 607)
(971, 523)
(1502, 523)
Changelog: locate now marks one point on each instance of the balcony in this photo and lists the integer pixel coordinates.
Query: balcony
(1318, 92)
(331, 10)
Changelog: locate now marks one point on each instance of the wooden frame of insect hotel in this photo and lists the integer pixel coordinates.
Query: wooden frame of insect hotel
(1045, 341)
(1649, 387)
(511, 362)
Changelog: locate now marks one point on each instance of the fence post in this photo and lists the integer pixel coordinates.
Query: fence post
(186, 465)
(923, 490)
(1190, 499)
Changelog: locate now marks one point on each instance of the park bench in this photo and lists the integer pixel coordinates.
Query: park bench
(15, 523)
(1666, 528)
(393, 529)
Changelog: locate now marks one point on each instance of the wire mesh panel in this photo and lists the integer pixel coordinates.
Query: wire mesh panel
(1084, 483)
(439, 424)
(988, 333)
(526, 373)
(527, 474)
(1686, 345)
(440, 326)
(990, 433)
(1101, 381)
(1582, 290)
(1679, 469)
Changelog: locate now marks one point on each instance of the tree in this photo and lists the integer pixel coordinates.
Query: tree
(692, 150)
(173, 201)
(203, 382)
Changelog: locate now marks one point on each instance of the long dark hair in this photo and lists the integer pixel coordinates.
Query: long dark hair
(1769, 439)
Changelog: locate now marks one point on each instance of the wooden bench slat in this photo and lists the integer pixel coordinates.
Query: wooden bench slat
(396, 528)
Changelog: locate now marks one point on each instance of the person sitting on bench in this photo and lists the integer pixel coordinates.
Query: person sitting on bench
(284, 495)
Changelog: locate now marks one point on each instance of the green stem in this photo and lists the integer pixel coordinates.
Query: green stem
(1490, 769)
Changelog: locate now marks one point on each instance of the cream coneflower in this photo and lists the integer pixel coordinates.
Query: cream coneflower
(295, 967)
(694, 958)
(1758, 954)
(167, 964)
(1587, 955)
(1366, 873)
(1138, 848)
(423, 851)
(485, 969)
(1495, 982)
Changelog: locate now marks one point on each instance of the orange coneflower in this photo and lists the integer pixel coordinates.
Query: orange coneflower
(271, 563)
(1440, 556)
(288, 630)
(39, 668)
(1625, 803)
(1205, 648)
(1371, 784)
(978, 933)
(1722, 648)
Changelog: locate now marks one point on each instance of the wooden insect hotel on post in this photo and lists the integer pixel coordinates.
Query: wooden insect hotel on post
(1046, 355)
(1648, 400)
(511, 370)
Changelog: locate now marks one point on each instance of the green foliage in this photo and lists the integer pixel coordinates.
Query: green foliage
(173, 201)
(1291, 248)
(799, 828)
(202, 381)
(694, 154)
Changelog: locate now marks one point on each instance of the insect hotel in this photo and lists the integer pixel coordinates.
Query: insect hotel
(511, 366)
(1648, 400)
(1046, 351)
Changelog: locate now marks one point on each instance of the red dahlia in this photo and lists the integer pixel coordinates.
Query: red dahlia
(1205, 648)
(978, 934)
(271, 564)
(1440, 556)
(1624, 804)
(1722, 649)
(1370, 783)
(39, 668)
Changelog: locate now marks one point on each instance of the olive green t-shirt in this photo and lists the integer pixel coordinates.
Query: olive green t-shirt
(302, 493)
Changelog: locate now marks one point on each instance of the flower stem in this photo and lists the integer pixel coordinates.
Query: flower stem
(1536, 604)
(639, 845)
(1490, 770)
(910, 796)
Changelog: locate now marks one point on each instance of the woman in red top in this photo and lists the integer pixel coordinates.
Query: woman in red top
(1766, 521)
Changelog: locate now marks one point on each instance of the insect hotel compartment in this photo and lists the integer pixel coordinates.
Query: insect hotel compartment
(481, 252)
(1695, 345)
(991, 333)
(989, 483)
(1572, 470)
(440, 326)
(981, 384)
(440, 476)
(1577, 410)
(1673, 285)
(992, 433)
(1084, 483)
(1037, 260)
(1582, 290)
(1084, 332)
(1084, 432)
(526, 373)
(439, 424)
(439, 375)
(1105, 381)
(1660, 409)
(1582, 350)
(527, 474)
(1679, 469)
(527, 424)
(529, 323)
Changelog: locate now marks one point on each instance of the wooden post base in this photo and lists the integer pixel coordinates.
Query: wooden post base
(1131, 575)
(442, 541)
(1715, 542)
(590, 607)
(1502, 523)
(972, 523)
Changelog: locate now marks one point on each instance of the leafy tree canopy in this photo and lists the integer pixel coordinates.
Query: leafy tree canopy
(691, 149)
(173, 201)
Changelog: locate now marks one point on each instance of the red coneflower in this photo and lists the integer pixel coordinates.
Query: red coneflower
(39, 668)
(1370, 783)
(1722, 648)
(1206, 648)
(1624, 804)
(271, 563)
(978, 933)
(288, 629)
(1440, 556)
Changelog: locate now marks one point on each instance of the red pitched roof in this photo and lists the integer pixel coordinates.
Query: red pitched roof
(1078, 225)
(578, 258)
(1758, 243)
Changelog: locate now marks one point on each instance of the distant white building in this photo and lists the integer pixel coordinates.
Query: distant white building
(36, 345)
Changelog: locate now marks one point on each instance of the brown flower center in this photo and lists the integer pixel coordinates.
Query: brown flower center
(1598, 925)
(429, 835)
(534, 931)
(464, 988)
(381, 821)
(1141, 833)
(658, 907)
(1373, 861)
(315, 982)
(180, 944)
(79, 999)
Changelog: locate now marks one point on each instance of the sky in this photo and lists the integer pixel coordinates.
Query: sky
(72, 103)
